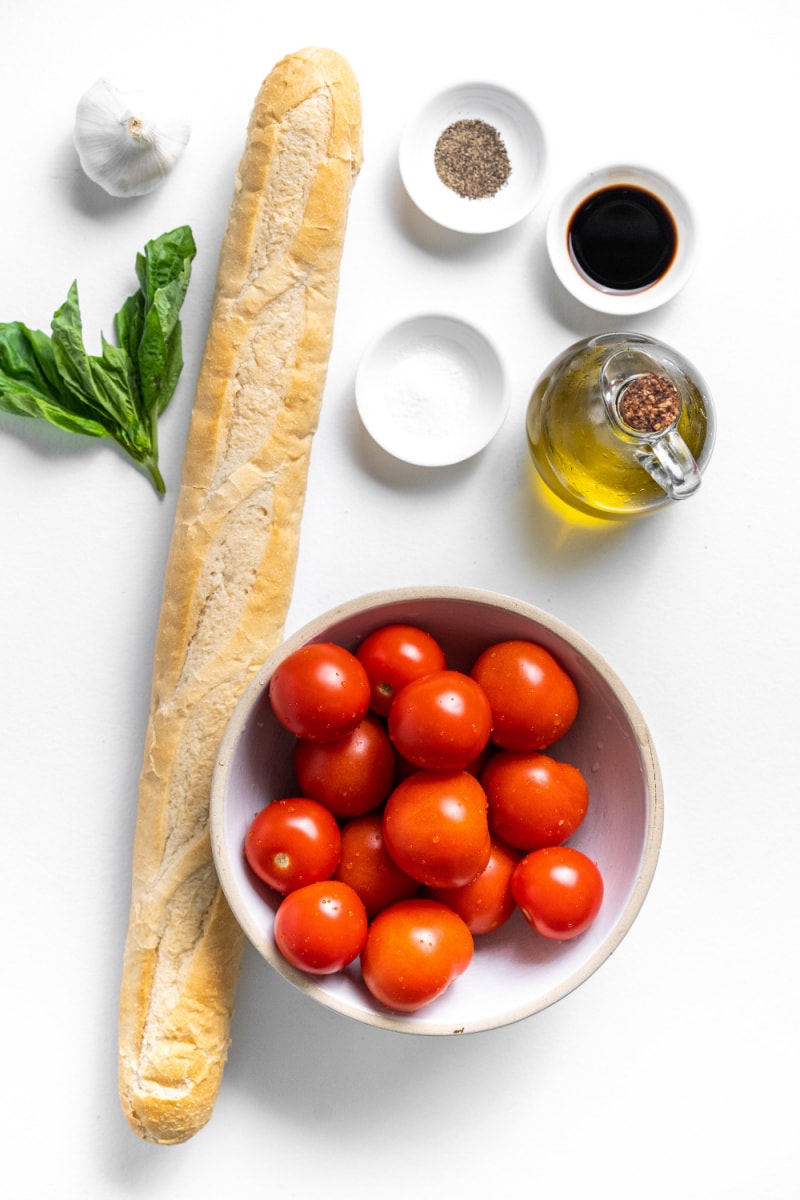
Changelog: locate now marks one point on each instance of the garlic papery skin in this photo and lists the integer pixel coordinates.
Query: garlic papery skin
(122, 144)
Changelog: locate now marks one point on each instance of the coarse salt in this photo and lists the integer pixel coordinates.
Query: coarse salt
(431, 389)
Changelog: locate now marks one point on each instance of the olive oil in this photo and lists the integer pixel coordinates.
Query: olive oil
(578, 450)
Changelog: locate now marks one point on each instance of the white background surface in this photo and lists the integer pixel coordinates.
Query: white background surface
(672, 1072)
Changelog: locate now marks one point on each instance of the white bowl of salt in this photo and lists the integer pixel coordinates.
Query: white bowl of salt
(432, 390)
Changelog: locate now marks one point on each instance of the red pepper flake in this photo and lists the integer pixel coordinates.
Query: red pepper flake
(650, 403)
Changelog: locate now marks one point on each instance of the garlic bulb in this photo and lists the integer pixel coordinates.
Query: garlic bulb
(122, 145)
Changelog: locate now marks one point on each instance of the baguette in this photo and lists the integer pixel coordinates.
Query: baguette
(230, 573)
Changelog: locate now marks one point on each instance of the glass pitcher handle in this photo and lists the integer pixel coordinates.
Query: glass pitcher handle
(670, 463)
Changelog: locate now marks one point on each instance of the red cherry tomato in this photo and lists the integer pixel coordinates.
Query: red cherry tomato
(414, 951)
(436, 828)
(351, 775)
(320, 692)
(393, 656)
(559, 891)
(293, 842)
(533, 700)
(534, 800)
(440, 722)
(486, 903)
(369, 868)
(321, 928)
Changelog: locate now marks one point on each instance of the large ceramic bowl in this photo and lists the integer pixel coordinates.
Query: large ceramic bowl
(514, 972)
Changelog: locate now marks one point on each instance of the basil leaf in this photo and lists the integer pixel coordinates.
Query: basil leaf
(103, 384)
(165, 259)
(163, 271)
(128, 324)
(121, 392)
(114, 380)
(30, 385)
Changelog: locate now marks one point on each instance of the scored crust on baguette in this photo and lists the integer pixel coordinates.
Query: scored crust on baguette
(230, 572)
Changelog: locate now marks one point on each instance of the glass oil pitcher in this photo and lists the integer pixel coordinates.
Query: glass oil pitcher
(620, 425)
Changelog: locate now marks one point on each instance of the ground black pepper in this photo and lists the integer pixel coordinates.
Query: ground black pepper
(650, 403)
(471, 159)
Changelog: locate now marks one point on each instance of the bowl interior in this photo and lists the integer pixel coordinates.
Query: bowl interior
(432, 390)
(594, 295)
(522, 135)
(514, 972)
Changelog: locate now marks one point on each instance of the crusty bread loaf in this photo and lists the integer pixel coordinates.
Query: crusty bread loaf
(230, 572)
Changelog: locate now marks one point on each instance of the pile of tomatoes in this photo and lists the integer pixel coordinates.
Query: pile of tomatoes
(426, 812)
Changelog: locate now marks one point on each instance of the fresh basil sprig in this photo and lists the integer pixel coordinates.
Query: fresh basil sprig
(122, 392)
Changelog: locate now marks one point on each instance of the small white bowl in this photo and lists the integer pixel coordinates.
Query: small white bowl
(524, 142)
(595, 295)
(514, 972)
(432, 390)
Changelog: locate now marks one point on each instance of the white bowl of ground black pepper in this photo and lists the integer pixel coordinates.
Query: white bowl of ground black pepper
(473, 158)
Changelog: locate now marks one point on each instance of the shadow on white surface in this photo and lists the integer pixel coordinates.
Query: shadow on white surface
(291, 1056)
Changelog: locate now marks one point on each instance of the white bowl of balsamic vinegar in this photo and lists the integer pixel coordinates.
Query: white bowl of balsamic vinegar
(622, 239)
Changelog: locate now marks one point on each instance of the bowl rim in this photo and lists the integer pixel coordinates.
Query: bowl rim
(315, 629)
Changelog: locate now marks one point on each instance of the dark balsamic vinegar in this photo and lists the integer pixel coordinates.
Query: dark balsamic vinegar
(622, 238)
